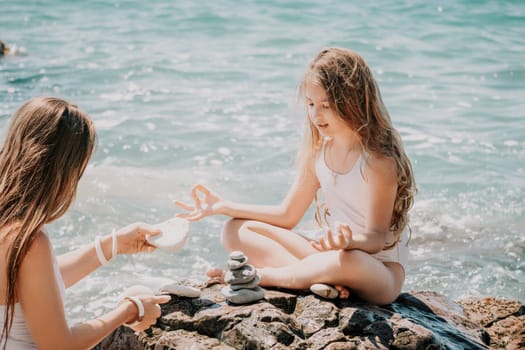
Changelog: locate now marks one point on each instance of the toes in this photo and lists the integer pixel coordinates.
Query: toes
(344, 293)
(212, 281)
(215, 272)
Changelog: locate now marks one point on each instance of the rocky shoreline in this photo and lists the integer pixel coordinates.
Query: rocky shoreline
(292, 320)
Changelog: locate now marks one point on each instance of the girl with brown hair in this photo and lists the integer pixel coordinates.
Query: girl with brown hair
(46, 150)
(355, 158)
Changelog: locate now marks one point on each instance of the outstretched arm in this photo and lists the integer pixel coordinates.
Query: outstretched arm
(79, 263)
(39, 296)
(286, 215)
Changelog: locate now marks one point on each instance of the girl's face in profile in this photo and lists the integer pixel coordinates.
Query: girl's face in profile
(320, 112)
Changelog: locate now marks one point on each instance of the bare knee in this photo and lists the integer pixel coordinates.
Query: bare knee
(230, 233)
(370, 278)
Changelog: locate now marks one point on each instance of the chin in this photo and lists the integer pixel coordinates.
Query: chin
(325, 134)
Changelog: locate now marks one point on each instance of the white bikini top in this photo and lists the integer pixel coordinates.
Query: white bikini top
(19, 337)
(346, 194)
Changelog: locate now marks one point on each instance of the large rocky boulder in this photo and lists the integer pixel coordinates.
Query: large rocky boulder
(291, 320)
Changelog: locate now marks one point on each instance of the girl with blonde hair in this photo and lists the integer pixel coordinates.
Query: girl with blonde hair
(355, 158)
(46, 150)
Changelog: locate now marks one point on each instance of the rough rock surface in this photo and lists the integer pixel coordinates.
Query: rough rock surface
(290, 320)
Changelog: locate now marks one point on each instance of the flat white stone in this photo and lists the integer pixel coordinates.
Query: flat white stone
(180, 290)
(236, 264)
(173, 236)
(242, 275)
(237, 255)
(324, 290)
(250, 285)
(243, 296)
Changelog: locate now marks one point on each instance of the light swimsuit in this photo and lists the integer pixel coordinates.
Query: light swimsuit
(19, 337)
(347, 198)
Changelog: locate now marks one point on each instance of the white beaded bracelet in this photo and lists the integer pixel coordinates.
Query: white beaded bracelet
(140, 306)
(100, 253)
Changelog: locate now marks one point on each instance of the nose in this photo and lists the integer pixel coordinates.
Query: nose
(315, 112)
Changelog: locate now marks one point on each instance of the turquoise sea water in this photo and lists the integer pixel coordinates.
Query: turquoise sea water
(182, 92)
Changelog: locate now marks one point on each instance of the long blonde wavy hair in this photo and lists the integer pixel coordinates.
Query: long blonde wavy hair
(46, 150)
(354, 94)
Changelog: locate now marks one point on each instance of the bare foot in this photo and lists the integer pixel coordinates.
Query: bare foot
(216, 275)
(344, 293)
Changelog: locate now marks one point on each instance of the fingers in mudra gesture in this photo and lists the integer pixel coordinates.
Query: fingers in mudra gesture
(205, 203)
(341, 239)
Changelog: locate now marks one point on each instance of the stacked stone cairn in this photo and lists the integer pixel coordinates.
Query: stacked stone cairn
(242, 279)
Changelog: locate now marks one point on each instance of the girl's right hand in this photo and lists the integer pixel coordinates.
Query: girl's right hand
(134, 238)
(210, 204)
(151, 310)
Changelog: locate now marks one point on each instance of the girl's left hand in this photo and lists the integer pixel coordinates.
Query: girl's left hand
(133, 238)
(342, 240)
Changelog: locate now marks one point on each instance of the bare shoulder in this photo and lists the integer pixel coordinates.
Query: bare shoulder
(39, 251)
(380, 169)
(41, 242)
(36, 270)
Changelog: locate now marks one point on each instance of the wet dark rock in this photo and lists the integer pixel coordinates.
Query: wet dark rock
(297, 320)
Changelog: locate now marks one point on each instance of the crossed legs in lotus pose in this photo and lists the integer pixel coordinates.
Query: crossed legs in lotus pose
(288, 260)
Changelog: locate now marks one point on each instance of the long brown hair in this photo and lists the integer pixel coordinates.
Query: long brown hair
(354, 94)
(46, 150)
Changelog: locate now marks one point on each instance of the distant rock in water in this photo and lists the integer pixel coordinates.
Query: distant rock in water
(291, 320)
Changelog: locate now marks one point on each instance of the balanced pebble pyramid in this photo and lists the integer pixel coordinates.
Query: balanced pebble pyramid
(242, 279)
